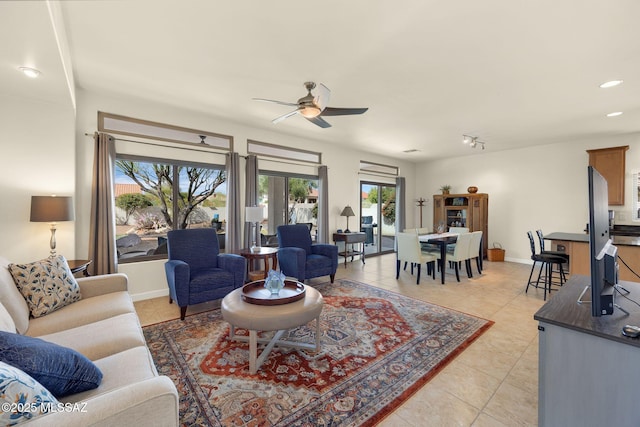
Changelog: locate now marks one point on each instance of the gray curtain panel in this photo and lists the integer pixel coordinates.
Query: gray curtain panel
(323, 205)
(251, 198)
(401, 214)
(102, 239)
(233, 203)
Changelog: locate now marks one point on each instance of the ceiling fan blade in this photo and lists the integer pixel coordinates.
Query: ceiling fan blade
(275, 102)
(322, 97)
(284, 116)
(330, 111)
(318, 121)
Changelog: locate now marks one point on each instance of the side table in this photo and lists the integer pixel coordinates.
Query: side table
(351, 239)
(265, 254)
(79, 265)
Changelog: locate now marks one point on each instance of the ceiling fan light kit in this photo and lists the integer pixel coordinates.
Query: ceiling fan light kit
(313, 107)
(472, 141)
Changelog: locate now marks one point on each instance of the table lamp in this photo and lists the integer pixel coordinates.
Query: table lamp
(51, 209)
(347, 211)
(253, 214)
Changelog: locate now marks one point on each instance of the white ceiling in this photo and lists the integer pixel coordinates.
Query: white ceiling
(514, 73)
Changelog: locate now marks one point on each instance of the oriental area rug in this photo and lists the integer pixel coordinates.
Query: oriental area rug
(378, 348)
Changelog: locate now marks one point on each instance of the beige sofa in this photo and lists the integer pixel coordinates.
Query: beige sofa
(104, 327)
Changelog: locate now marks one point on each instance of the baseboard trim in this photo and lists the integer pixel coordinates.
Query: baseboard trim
(149, 295)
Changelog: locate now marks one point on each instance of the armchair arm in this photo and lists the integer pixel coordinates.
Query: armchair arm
(235, 264)
(292, 262)
(103, 284)
(178, 277)
(328, 250)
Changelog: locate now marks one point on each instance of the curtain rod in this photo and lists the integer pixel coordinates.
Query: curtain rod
(210, 150)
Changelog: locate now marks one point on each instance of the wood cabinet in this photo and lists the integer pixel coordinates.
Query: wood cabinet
(463, 210)
(610, 162)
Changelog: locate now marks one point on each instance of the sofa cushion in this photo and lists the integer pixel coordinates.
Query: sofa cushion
(120, 370)
(12, 299)
(60, 370)
(103, 338)
(83, 312)
(19, 391)
(47, 285)
(6, 322)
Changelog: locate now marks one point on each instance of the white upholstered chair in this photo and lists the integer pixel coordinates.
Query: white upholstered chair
(409, 251)
(460, 253)
(459, 230)
(475, 250)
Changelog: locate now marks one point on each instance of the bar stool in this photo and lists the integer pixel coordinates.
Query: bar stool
(545, 252)
(548, 261)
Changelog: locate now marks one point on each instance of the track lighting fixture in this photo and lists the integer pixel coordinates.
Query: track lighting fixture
(472, 141)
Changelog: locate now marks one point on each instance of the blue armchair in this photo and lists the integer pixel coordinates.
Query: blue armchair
(196, 271)
(301, 259)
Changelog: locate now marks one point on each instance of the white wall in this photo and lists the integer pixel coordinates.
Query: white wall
(147, 278)
(540, 187)
(38, 158)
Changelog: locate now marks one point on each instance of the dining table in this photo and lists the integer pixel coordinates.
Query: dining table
(442, 240)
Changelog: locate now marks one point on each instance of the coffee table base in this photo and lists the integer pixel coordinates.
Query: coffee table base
(256, 361)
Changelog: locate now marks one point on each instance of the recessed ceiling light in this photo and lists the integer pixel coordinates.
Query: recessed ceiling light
(611, 83)
(30, 72)
(411, 150)
(615, 114)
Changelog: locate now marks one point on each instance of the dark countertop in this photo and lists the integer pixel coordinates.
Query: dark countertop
(563, 310)
(582, 237)
(625, 230)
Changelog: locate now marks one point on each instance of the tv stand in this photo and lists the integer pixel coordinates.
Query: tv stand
(588, 371)
(607, 300)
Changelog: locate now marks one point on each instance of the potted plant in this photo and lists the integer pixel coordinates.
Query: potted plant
(445, 189)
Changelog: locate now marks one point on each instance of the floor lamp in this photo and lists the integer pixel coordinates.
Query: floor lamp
(51, 209)
(254, 215)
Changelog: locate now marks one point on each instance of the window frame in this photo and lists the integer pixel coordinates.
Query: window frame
(175, 164)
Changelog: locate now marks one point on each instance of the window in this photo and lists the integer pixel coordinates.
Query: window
(265, 149)
(289, 199)
(145, 194)
(378, 168)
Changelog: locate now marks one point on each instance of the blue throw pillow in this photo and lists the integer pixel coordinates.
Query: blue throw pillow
(60, 370)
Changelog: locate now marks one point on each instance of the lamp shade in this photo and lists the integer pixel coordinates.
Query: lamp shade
(347, 211)
(253, 214)
(51, 208)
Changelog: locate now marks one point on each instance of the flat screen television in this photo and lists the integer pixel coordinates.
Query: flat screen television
(603, 254)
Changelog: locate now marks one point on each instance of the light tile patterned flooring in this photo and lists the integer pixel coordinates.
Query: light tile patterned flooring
(494, 382)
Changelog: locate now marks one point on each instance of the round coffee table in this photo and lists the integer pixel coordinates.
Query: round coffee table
(255, 318)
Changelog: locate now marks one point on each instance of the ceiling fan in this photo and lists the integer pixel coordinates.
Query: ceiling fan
(313, 107)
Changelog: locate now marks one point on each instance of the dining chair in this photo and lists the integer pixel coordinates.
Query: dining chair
(460, 253)
(475, 250)
(409, 251)
(459, 230)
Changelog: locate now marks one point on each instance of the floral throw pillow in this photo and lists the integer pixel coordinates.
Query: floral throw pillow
(47, 285)
(22, 397)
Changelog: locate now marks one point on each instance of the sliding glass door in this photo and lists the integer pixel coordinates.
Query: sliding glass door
(289, 199)
(378, 216)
